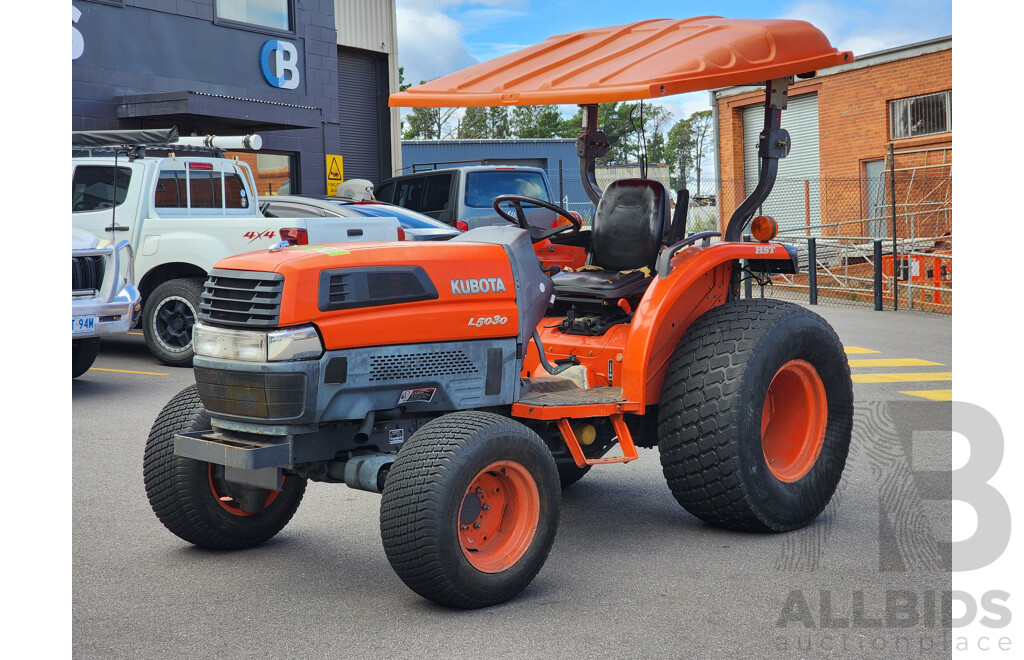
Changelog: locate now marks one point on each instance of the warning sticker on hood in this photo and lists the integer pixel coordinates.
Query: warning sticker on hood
(417, 396)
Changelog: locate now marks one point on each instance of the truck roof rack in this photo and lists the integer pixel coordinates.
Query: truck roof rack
(136, 142)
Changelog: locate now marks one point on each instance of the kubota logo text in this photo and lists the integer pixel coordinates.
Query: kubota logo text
(478, 285)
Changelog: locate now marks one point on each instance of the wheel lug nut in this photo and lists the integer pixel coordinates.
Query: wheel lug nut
(463, 526)
(486, 507)
(476, 525)
(479, 491)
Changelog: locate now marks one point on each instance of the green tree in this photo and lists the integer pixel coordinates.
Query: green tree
(701, 139)
(689, 143)
(427, 123)
(474, 125)
(498, 122)
(677, 154)
(536, 122)
(656, 121)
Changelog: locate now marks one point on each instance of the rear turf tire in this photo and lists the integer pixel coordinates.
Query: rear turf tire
(190, 497)
(737, 364)
(430, 508)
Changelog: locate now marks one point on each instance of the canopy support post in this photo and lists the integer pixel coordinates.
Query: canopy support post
(772, 144)
(590, 145)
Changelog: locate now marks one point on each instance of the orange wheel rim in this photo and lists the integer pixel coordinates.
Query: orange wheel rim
(498, 516)
(229, 503)
(793, 420)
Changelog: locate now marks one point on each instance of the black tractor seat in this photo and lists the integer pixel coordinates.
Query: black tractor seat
(631, 225)
(603, 284)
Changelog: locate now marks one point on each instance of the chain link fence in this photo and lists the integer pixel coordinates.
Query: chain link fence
(885, 240)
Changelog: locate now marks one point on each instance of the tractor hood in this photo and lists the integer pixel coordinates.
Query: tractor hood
(486, 283)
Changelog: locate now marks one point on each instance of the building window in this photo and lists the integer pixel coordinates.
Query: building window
(921, 115)
(275, 14)
(275, 174)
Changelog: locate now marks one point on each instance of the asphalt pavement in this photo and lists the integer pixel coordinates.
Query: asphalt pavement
(631, 573)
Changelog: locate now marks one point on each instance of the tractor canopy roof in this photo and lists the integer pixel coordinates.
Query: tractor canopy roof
(645, 60)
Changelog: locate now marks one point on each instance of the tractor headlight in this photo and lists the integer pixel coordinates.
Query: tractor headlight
(249, 346)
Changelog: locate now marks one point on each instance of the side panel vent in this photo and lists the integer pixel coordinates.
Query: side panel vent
(345, 288)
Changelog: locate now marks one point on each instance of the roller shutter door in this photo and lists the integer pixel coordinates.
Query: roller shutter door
(787, 200)
(362, 125)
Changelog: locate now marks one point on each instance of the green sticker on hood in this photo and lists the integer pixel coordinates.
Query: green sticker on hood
(323, 249)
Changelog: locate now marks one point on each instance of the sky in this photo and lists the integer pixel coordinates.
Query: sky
(438, 37)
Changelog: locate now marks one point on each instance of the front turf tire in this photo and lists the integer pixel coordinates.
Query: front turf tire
(737, 365)
(459, 471)
(183, 492)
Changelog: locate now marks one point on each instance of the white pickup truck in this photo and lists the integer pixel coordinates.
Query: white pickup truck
(182, 207)
(103, 302)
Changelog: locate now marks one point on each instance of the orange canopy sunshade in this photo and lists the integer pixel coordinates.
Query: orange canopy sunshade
(649, 59)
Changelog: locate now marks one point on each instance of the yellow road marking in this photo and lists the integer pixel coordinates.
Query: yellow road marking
(122, 371)
(932, 395)
(137, 334)
(855, 349)
(898, 362)
(903, 377)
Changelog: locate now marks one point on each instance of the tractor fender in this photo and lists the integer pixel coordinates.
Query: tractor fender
(698, 280)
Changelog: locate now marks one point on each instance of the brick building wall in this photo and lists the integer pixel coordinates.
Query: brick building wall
(853, 115)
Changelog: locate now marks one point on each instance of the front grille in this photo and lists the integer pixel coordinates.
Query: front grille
(240, 297)
(252, 395)
(419, 366)
(86, 273)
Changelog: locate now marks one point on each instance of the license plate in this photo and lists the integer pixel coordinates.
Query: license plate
(81, 325)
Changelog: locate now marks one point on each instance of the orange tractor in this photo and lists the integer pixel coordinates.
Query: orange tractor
(468, 383)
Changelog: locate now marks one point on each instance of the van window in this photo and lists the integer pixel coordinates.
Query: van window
(482, 187)
(385, 192)
(92, 187)
(409, 193)
(435, 195)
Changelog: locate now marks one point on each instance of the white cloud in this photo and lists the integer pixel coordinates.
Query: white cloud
(874, 25)
(430, 44)
(431, 34)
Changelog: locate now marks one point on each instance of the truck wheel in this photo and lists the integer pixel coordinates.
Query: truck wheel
(469, 509)
(171, 311)
(755, 416)
(83, 354)
(191, 498)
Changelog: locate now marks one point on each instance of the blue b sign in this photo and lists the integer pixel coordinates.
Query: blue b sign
(279, 63)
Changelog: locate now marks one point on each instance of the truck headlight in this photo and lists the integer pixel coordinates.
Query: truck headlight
(254, 346)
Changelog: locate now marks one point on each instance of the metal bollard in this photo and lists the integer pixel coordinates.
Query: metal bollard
(812, 270)
(878, 274)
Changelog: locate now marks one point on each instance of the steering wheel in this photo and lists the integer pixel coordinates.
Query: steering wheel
(536, 235)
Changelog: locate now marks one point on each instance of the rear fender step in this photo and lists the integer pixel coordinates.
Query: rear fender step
(621, 432)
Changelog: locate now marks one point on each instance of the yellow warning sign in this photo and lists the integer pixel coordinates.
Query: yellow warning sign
(335, 172)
